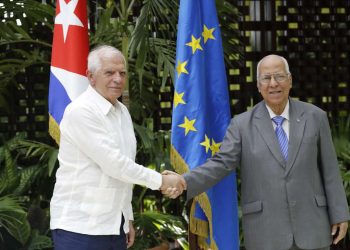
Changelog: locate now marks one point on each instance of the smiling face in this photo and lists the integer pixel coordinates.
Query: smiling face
(109, 79)
(275, 93)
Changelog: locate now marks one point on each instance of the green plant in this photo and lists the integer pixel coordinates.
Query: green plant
(13, 218)
(155, 228)
(23, 42)
(341, 140)
(19, 197)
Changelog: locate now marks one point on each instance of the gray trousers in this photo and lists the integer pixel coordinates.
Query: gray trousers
(294, 247)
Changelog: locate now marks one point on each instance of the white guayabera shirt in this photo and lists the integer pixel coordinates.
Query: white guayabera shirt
(97, 168)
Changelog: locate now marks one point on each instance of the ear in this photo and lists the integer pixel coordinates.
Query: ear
(90, 77)
(291, 81)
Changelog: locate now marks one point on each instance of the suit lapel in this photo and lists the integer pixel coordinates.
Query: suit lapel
(263, 124)
(296, 131)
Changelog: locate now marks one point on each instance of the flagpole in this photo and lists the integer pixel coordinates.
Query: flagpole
(192, 238)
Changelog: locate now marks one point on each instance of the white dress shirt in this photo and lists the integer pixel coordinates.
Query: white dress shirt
(97, 168)
(285, 114)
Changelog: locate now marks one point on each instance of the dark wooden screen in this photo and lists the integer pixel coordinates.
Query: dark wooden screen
(314, 36)
(27, 110)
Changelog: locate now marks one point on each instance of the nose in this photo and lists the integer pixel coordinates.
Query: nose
(273, 82)
(117, 77)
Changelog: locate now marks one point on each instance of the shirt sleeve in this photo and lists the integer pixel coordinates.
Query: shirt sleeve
(85, 130)
(127, 209)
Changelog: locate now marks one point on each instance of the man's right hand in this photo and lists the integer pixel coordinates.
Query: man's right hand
(173, 184)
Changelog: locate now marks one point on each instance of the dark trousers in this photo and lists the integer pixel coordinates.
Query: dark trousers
(65, 240)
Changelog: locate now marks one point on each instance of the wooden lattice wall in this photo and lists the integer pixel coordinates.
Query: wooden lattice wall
(314, 36)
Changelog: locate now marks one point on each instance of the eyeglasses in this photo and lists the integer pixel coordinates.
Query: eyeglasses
(279, 78)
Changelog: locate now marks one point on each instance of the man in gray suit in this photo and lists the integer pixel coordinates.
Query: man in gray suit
(292, 195)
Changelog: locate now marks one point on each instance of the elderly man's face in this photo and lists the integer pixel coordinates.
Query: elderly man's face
(274, 83)
(110, 79)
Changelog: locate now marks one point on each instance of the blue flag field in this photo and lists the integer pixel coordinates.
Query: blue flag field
(201, 115)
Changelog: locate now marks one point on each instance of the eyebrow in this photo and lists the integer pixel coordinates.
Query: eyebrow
(267, 74)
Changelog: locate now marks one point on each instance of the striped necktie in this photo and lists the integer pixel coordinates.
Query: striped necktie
(281, 135)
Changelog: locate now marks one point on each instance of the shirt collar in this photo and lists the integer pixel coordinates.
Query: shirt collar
(104, 105)
(284, 114)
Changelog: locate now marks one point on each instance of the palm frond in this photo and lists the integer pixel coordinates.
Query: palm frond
(27, 9)
(152, 38)
(108, 30)
(341, 138)
(146, 136)
(229, 16)
(9, 178)
(14, 219)
(22, 41)
(28, 176)
(39, 241)
(165, 53)
(156, 227)
(46, 154)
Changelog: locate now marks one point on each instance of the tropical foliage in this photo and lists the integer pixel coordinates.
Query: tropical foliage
(341, 139)
(24, 173)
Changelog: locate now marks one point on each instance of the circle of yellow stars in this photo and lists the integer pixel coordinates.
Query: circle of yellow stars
(188, 125)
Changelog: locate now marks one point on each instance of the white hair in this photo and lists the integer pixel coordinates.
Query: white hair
(286, 66)
(102, 51)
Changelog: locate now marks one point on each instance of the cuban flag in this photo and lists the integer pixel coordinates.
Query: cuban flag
(70, 48)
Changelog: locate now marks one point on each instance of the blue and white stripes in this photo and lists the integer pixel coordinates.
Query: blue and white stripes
(281, 135)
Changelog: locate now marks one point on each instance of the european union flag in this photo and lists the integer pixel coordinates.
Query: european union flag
(201, 115)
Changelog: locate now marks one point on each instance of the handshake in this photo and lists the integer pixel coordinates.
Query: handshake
(173, 184)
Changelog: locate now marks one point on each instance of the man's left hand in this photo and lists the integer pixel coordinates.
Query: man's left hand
(130, 237)
(341, 229)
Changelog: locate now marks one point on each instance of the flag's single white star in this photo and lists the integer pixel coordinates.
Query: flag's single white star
(67, 17)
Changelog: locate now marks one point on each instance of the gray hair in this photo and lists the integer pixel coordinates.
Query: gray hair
(286, 66)
(102, 51)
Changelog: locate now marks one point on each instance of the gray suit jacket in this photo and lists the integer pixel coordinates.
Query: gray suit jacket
(280, 200)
